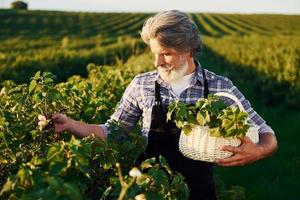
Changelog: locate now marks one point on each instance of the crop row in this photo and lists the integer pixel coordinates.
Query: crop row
(39, 23)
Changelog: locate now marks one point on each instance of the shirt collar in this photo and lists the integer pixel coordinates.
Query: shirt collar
(198, 77)
(199, 73)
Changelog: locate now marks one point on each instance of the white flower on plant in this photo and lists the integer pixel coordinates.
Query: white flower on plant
(3, 91)
(43, 122)
(140, 197)
(42, 118)
(135, 172)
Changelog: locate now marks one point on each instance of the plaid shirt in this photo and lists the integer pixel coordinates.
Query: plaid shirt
(138, 99)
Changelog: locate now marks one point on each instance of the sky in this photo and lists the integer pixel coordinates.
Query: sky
(218, 6)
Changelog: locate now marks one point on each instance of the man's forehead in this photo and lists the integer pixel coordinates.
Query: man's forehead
(156, 47)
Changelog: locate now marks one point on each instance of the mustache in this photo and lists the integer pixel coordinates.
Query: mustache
(165, 67)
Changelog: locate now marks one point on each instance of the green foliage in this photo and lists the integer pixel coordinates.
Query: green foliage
(222, 121)
(272, 63)
(65, 42)
(66, 60)
(246, 24)
(154, 181)
(55, 24)
(38, 163)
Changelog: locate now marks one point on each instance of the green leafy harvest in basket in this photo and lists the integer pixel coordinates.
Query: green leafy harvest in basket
(222, 121)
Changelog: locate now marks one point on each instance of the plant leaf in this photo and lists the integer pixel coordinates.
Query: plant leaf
(32, 85)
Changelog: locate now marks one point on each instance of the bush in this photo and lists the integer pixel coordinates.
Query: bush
(19, 5)
(60, 166)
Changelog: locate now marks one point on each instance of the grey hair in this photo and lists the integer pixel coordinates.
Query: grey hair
(173, 29)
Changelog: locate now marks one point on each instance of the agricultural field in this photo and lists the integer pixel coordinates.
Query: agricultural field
(80, 64)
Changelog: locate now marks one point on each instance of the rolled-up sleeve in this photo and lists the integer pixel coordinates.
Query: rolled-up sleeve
(127, 111)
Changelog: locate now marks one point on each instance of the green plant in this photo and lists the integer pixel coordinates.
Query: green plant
(37, 163)
(212, 112)
(150, 180)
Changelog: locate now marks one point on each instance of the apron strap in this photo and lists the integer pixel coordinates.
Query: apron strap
(206, 92)
(157, 94)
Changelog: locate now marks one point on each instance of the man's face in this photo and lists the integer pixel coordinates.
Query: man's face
(170, 64)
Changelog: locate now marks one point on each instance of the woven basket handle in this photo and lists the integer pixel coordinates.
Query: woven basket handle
(234, 98)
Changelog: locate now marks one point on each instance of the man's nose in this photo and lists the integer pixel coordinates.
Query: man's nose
(159, 61)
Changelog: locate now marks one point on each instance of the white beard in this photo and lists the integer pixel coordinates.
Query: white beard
(168, 74)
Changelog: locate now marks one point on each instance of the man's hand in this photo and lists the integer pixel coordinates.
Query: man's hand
(79, 129)
(248, 152)
(61, 122)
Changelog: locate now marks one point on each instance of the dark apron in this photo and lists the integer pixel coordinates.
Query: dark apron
(163, 140)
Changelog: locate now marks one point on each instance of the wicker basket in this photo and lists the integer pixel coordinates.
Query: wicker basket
(199, 145)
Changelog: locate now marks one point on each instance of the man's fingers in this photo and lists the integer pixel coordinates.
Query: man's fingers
(233, 158)
(231, 149)
(229, 164)
(58, 118)
(245, 139)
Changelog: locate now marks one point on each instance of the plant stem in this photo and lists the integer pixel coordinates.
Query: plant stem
(124, 185)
